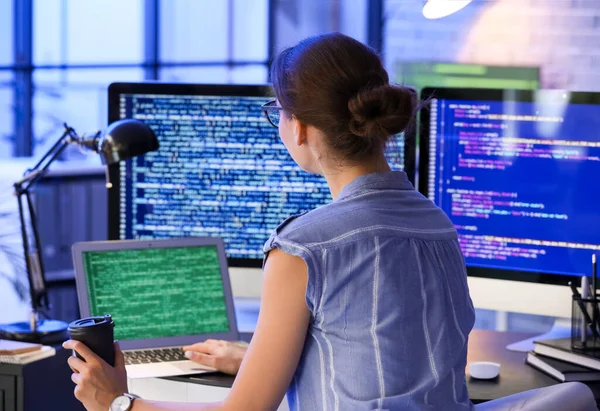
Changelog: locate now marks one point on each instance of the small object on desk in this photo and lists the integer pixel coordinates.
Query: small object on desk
(484, 370)
(8, 347)
(97, 334)
(594, 275)
(587, 320)
(560, 349)
(561, 370)
(585, 290)
(595, 313)
(28, 357)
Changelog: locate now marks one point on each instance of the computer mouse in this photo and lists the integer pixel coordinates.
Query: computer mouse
(484, 370)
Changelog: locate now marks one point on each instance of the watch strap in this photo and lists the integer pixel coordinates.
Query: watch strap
(132, 397)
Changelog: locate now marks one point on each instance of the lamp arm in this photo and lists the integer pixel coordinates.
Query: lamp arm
(32, 255)
(34, 174)
(69, 131)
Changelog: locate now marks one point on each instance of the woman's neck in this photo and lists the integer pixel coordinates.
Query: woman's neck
(339, 177)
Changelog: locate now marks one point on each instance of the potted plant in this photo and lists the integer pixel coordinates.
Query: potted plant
(12, 264)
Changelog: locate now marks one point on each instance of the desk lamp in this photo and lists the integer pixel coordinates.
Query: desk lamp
(122, 140)
(436, 9)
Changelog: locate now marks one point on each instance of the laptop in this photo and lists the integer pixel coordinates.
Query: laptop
(162, 295)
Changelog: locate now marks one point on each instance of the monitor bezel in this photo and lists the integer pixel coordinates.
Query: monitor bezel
(78, 250)
(115, 90)
(429, 93)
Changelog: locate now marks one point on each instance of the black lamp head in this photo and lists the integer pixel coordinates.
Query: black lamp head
(125, 139)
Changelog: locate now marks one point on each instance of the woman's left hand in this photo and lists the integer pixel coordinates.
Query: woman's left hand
(98, 384)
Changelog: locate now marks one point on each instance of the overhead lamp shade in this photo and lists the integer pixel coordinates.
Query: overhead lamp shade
(125, 139)
(436, 9)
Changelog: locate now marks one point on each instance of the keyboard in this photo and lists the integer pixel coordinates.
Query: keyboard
(154, 355)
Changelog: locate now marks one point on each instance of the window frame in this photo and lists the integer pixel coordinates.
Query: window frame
(23, 66)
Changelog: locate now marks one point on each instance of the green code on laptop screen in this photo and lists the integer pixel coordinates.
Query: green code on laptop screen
(157, 292)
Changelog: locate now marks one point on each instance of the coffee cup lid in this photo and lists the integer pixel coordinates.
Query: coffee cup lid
(91, 322)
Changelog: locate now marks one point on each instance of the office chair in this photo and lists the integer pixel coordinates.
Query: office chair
(571, 396)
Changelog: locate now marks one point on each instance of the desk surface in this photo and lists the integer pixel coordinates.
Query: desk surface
(484, 345)
(515, 376)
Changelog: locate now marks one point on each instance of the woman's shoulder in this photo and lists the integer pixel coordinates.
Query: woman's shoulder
(308, 226)
(399, 215)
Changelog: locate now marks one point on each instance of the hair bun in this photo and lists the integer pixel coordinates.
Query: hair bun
(379, 112)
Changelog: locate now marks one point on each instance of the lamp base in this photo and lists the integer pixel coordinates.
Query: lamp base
(48, 332)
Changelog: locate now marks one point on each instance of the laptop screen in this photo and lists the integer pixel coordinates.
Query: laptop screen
(157, 292)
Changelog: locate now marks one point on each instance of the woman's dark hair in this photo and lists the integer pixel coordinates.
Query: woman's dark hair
(339, 85)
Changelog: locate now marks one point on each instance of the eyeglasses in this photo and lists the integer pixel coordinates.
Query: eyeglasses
(272, 112)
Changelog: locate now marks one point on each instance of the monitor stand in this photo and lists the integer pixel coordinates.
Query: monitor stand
(560, 329)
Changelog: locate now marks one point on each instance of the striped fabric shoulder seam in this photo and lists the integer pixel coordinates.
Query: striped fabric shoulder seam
(381, 227)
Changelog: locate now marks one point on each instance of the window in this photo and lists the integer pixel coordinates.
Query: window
(199, 75)
(6, 115)
(193, 31)
(88, 32)
(297, 20)
(6, 80)
(76, 46)
(80, 47)
(6, 33)
(203, 41)
(77, 97)
(250, 30)
(252, 74)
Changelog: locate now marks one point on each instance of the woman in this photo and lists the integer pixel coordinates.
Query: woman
(365, 302)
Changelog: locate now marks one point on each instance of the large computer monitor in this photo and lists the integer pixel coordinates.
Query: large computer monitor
(421, 74)
(221, 169)
(517, 173)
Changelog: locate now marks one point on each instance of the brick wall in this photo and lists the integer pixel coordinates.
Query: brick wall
(562, 37)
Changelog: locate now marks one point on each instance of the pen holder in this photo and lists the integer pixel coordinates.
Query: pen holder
(585, 323)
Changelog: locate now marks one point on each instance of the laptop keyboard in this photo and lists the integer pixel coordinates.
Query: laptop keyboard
(154, 356)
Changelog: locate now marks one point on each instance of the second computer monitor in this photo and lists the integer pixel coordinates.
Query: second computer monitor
(221, 169)
(517, 173)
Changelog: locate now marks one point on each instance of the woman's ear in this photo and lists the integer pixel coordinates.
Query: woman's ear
(299, 131)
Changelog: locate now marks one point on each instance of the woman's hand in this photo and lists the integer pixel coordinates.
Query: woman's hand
(98, 384)
(225, 356)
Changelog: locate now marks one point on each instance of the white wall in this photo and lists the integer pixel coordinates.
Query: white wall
(562, 37)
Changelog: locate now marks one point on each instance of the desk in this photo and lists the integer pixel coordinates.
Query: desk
(43, 385)
(484, 345)
(29, 384)
(515, 376)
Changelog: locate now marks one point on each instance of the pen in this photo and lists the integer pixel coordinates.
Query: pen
(594, 275)
(585, 288)
(595, 314)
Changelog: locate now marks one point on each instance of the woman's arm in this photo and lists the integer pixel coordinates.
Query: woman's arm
(267, 368)
(277, 343)
(273, 354)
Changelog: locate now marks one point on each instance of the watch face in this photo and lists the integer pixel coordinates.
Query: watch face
(121, 403)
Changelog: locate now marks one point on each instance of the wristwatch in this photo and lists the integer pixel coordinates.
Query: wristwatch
(123, 402)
